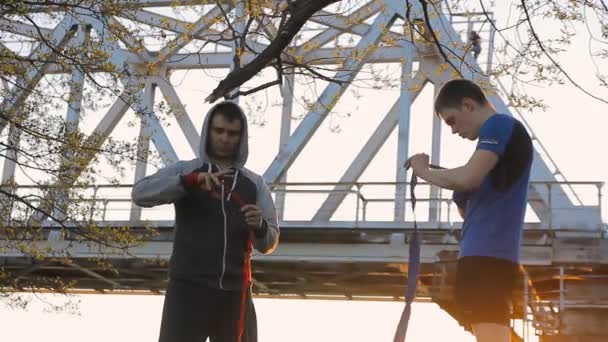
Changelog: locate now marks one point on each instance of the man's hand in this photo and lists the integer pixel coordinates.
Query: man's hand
(211, 181)
(419, 163)
(253, 215)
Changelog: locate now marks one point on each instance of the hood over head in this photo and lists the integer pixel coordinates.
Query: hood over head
(243, 150)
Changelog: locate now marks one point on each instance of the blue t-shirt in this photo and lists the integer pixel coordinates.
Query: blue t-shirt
(494, 213)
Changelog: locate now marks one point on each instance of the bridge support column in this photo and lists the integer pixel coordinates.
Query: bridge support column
(584, 316)
(435, 203)
(581, 325)
(585, 324)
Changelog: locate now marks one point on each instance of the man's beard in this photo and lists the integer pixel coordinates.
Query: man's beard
(223, 156)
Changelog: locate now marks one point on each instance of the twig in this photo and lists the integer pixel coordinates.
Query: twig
(300, 12)
(557, 65)
(256, 89)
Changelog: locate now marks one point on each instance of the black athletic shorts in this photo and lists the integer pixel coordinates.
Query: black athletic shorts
(484, 288)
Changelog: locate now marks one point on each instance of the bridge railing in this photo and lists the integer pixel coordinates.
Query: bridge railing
(363, 203)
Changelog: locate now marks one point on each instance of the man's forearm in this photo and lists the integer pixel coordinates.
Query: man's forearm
(453, 179)
(163, 187)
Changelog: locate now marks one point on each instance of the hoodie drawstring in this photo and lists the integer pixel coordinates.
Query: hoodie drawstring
(236, 175)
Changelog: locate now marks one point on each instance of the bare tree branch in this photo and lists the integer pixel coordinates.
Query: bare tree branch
(254, 90)
(548, 55)
(299, 13)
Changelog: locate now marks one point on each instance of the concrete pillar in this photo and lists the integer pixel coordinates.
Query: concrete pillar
(581, 325)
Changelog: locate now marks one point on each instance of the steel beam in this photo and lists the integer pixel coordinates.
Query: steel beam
(435, 192)
(324, 56)
(95, 140)
(403, 136)
(201, 24)
(381, 54)
(25, 30)
(166, 3)
(72, 119)
(210, 60)
(367, 153)
(63, 32)
(96, 275)
(77, 84)
(338, 25)
(285, 252)
(143, 142)
(154, 130)
(180, 113)
(11, 155)
(327, 100)
(239, 26)
(287, 92)
(178, 26)
(119, 57)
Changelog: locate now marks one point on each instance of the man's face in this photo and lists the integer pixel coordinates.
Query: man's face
(224, 137)
(461, 120)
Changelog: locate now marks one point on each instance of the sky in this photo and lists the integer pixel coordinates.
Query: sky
(106, 318)
(572, 129)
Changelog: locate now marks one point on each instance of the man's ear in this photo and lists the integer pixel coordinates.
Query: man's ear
(468, 104)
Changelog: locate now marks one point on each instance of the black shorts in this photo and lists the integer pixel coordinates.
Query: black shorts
(484, 288)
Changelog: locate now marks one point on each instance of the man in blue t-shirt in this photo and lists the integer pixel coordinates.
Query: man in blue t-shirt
(490, 191)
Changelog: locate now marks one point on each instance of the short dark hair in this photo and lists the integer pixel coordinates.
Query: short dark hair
(453, 92)
(230, 111)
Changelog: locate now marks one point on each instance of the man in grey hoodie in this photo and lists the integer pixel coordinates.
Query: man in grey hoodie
(222, 211)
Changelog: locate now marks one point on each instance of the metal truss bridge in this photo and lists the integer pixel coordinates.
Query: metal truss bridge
(344, 239)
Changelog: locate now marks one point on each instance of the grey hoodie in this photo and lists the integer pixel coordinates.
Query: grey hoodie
(210, 233)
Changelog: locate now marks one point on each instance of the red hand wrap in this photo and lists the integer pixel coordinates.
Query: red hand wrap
(191, 179)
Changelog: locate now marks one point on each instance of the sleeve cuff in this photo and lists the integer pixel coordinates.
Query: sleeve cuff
(498, 150)
(190, 180)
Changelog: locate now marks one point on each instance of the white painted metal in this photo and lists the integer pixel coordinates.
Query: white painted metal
(548, 199)
(10, 161)
(202, 24)
(77, 84)
(326, 101)
(434, 209)
(72, 116)
(239, 25)
(287, 91)
(58, 38)
(183, 120)
(364, 157)
(174, 25)
(143, 143)
(154, 130)
(24, 29)
(121, 58)
(339, 24)
(403, 135)
(317, 50)
(531, 255)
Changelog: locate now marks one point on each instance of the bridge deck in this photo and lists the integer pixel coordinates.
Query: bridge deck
(356, 258)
